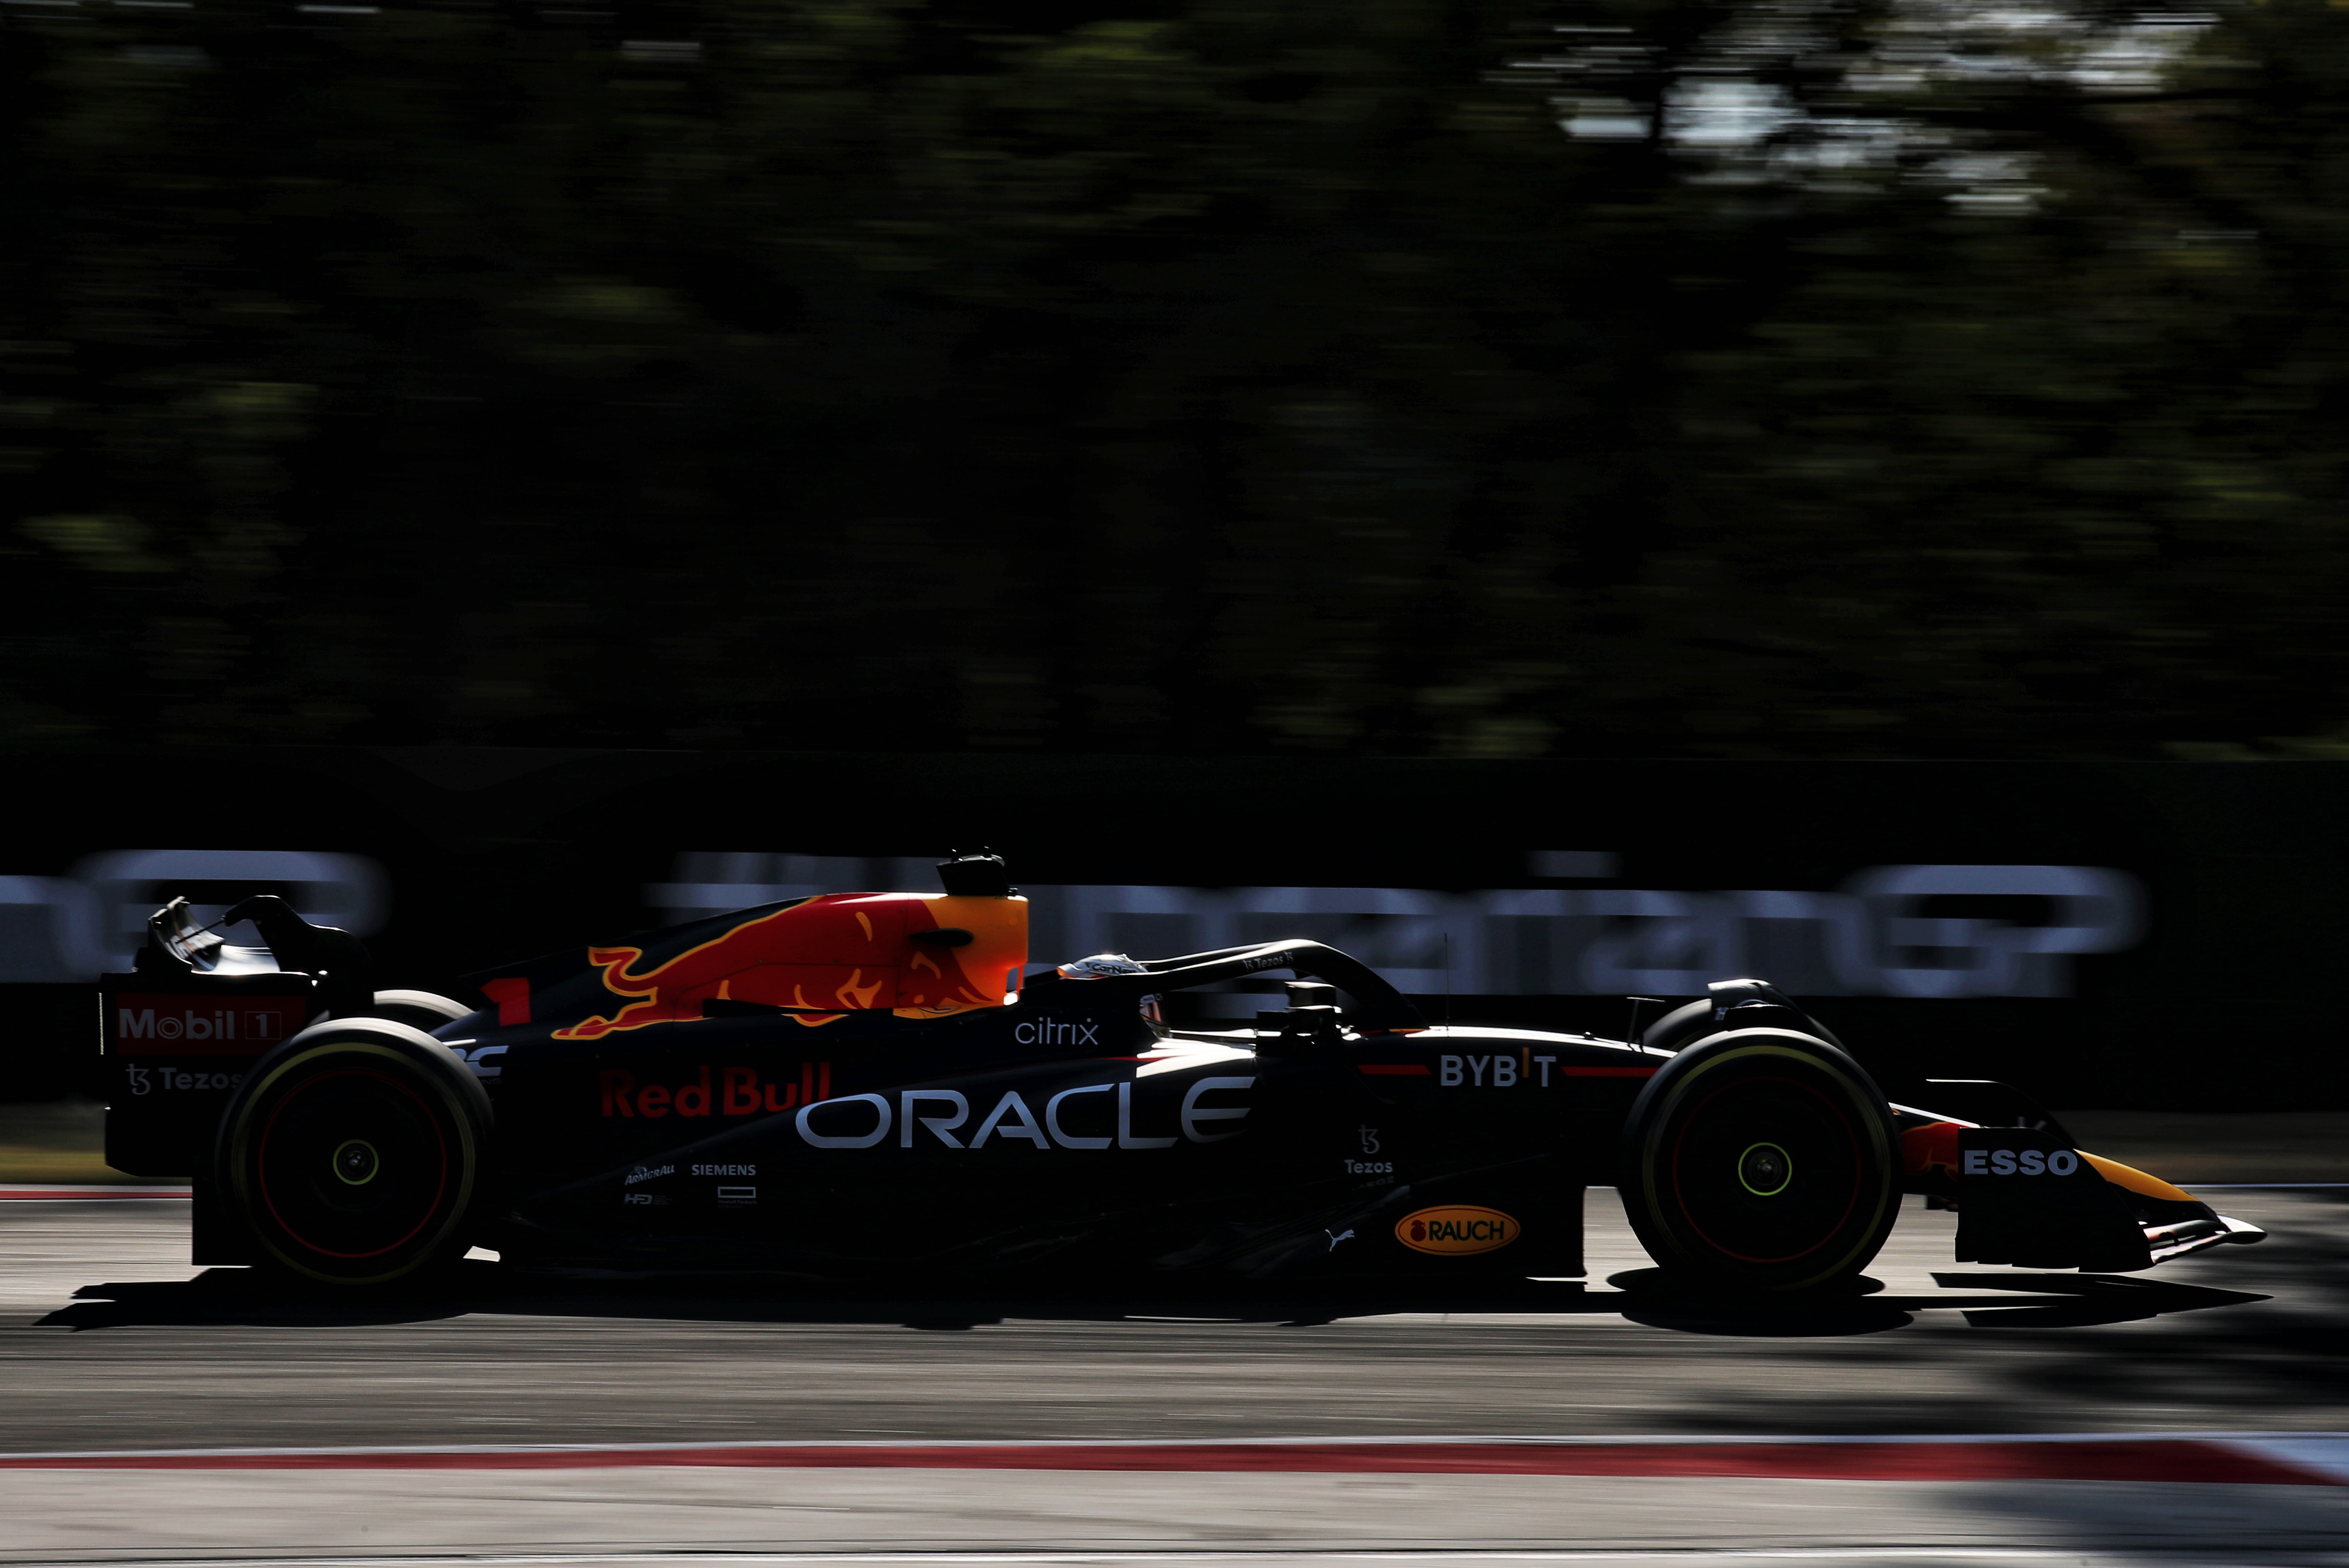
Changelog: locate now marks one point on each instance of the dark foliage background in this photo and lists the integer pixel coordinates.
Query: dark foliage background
(1446, 377)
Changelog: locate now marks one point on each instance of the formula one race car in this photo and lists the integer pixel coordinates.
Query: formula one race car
(866, 1083)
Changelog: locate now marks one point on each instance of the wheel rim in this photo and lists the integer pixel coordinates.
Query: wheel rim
(355, 1162)
(1766, 1170)
(352, 1164)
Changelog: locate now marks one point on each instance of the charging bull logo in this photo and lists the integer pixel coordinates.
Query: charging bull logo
(1932, 1151)
(918, 955)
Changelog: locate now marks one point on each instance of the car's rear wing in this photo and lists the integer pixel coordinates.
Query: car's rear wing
(178, 1034)
(1379, 1008)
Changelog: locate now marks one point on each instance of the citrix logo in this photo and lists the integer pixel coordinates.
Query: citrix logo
(1054, 1031)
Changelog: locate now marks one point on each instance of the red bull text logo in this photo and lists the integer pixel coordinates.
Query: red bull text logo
(731, 1092)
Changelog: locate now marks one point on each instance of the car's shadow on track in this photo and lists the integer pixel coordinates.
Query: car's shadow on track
(249, 1297)
(2028, 1301)
(243, 1297)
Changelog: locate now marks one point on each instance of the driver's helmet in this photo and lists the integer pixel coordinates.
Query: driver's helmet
(1102, 964)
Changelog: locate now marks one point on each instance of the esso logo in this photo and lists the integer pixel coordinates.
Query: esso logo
(2019, 1162)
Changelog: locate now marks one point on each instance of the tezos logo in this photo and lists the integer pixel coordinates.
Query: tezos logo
(145, 1079)
(1456, 1229)
(2019, 1162)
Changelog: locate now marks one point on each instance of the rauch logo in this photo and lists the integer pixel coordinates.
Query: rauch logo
(1456, 1229)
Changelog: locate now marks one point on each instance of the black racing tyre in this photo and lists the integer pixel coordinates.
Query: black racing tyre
(1675, 1029)
(354, 1151)
(421, 1010)
(1760, 1160)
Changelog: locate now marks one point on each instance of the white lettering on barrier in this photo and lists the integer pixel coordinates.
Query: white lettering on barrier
(1870, 938)
(97, 917)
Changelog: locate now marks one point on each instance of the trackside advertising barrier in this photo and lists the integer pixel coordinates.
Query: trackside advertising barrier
(2091, 930)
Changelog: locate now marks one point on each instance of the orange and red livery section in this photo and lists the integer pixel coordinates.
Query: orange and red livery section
(1929, 1153)
(915, 955)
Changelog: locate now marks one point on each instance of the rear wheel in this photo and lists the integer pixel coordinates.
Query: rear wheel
(1763, 1159)
(421, 1010)
(354, 1152)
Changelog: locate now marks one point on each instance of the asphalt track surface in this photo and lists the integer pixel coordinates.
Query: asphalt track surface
(111, 1344)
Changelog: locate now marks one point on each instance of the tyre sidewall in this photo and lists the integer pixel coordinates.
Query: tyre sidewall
(1690, 1021)
(1659, 1217)
(420, 1010)
(445, 1087)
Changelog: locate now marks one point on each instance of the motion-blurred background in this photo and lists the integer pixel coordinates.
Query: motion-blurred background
(1423, 377)
(542, 470)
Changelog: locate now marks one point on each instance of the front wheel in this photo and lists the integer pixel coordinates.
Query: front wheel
(1760, 1160)
(354, 1152)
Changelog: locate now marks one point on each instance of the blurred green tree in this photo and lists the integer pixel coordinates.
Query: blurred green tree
(1458, 379)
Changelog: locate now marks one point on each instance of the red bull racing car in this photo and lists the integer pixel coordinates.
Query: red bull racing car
(867, 1085)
